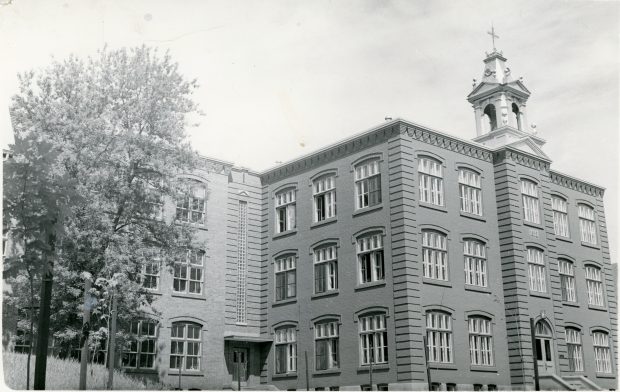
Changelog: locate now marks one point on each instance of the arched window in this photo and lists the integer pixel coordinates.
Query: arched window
(560, 216)
(142, 345)
(490, 116)
(367, 184)
(567, 280)
(285, 210)
(286, 349)
(434, 255)
(325, 269)
(517, 115)
(480, 341)
(470, 191)
(324, 195)
(286, 277)
(594, 283)
(529, 193)
(430, 174)
(474, 252)
(439, 336)
(186, 346)
(587, 224)
(370, 258)
(373, 339)
(575, 353)
(326, 348)
(538, 276)
(191, 206)
(602, 352)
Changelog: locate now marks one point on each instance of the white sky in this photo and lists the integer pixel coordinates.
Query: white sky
(282, 78)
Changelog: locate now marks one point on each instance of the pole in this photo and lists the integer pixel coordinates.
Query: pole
(428, 369)
(85, 333)
(112, 342)
(45, 302)
(238, 355)
(307, 372)
(372, 359)
(180, 368)
(535, 355)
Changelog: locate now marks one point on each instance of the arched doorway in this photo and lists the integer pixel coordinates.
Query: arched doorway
(544, 348)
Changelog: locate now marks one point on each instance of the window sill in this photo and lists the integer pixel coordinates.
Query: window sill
(375, 367)
(433, 207)
(596, 307)
(364, 210)
(284, 375)
(539, 294)
(323, 222)
(364, 286)
(140, 371)
(283, 302)
(241, 324)
(605, 375)
(565, 239)
(572, 304)
(326, 372)
(201, 226)
(478, 289)
(589, 245)
(436, 282)
(284, 234)
(444, 366)
(199, 297)
(325, 294)
(478, 368)
(473, 216)
(152, 292)
(186, 373)
(534, 225)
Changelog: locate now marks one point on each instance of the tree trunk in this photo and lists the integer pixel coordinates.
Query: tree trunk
(31, 278)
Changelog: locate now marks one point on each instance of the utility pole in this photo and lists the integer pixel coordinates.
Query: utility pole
(237, 354)
(112, 342)
(372, 359)
(534, 354)
(85, 332)
(180, 368)
(307, 372)
(428, 369)
(40, 363)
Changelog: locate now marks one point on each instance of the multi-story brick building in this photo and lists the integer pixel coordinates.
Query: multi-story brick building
(429, 257)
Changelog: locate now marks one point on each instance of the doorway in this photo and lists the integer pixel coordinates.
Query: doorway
(240, 365)
(544, 348)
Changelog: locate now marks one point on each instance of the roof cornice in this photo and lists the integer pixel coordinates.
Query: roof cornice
(576, 184)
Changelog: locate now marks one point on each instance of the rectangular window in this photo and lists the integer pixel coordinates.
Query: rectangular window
(560, 216)
(150, 275)
(367, 184)
(439, 337)
(567, 281)
(188, 276)
(373, 339)
(191, 207)
(285, 270)
(475, 263)
(154, 201)
(434, 255)
(430, 174)
(594, 283)
(587, 224)
(602, 353)
(242, 255)
(286, 350)
(324, 191)
(325, 269)
(480, 341)
(529, 192)
(142, 345)
(370, 258)
(538, 277)
(326, 346)
(185, 346)
(285, 210)
(470, 192)
(575, 354)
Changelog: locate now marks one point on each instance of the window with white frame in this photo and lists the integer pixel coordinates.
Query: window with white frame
(286, 350)
(191, 207)
(370, 258)
(325, 269)
(474, 252)
(430, 174)
(150, 274)
(587, 224)
(285, 210)
(529, 193)
(560, 216)
(480, 341)
(470, 191)
(142, 345)
(242, 260)
(439, 337)
(373, 339)
(326, 345)
(185, 346)
(575, 353)
(536, 263)
(602, 352)
(188, 276)
(434, 255)
(594, 283)
(567, 280)
(367, 184)
(286, 277)
(324, 194)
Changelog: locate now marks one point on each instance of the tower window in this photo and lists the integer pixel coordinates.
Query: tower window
(489, 112)
(517, 115)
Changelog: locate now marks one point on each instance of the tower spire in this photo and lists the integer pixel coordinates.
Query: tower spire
(493, 36)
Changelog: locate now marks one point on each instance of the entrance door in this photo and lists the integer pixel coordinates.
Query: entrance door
(240, 365)
(544, 348)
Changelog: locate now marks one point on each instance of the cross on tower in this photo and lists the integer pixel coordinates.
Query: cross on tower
(493, 35)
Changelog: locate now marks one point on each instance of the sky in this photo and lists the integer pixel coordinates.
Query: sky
(279, 79)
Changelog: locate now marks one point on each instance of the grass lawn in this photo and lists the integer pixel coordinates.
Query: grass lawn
(65, 374)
